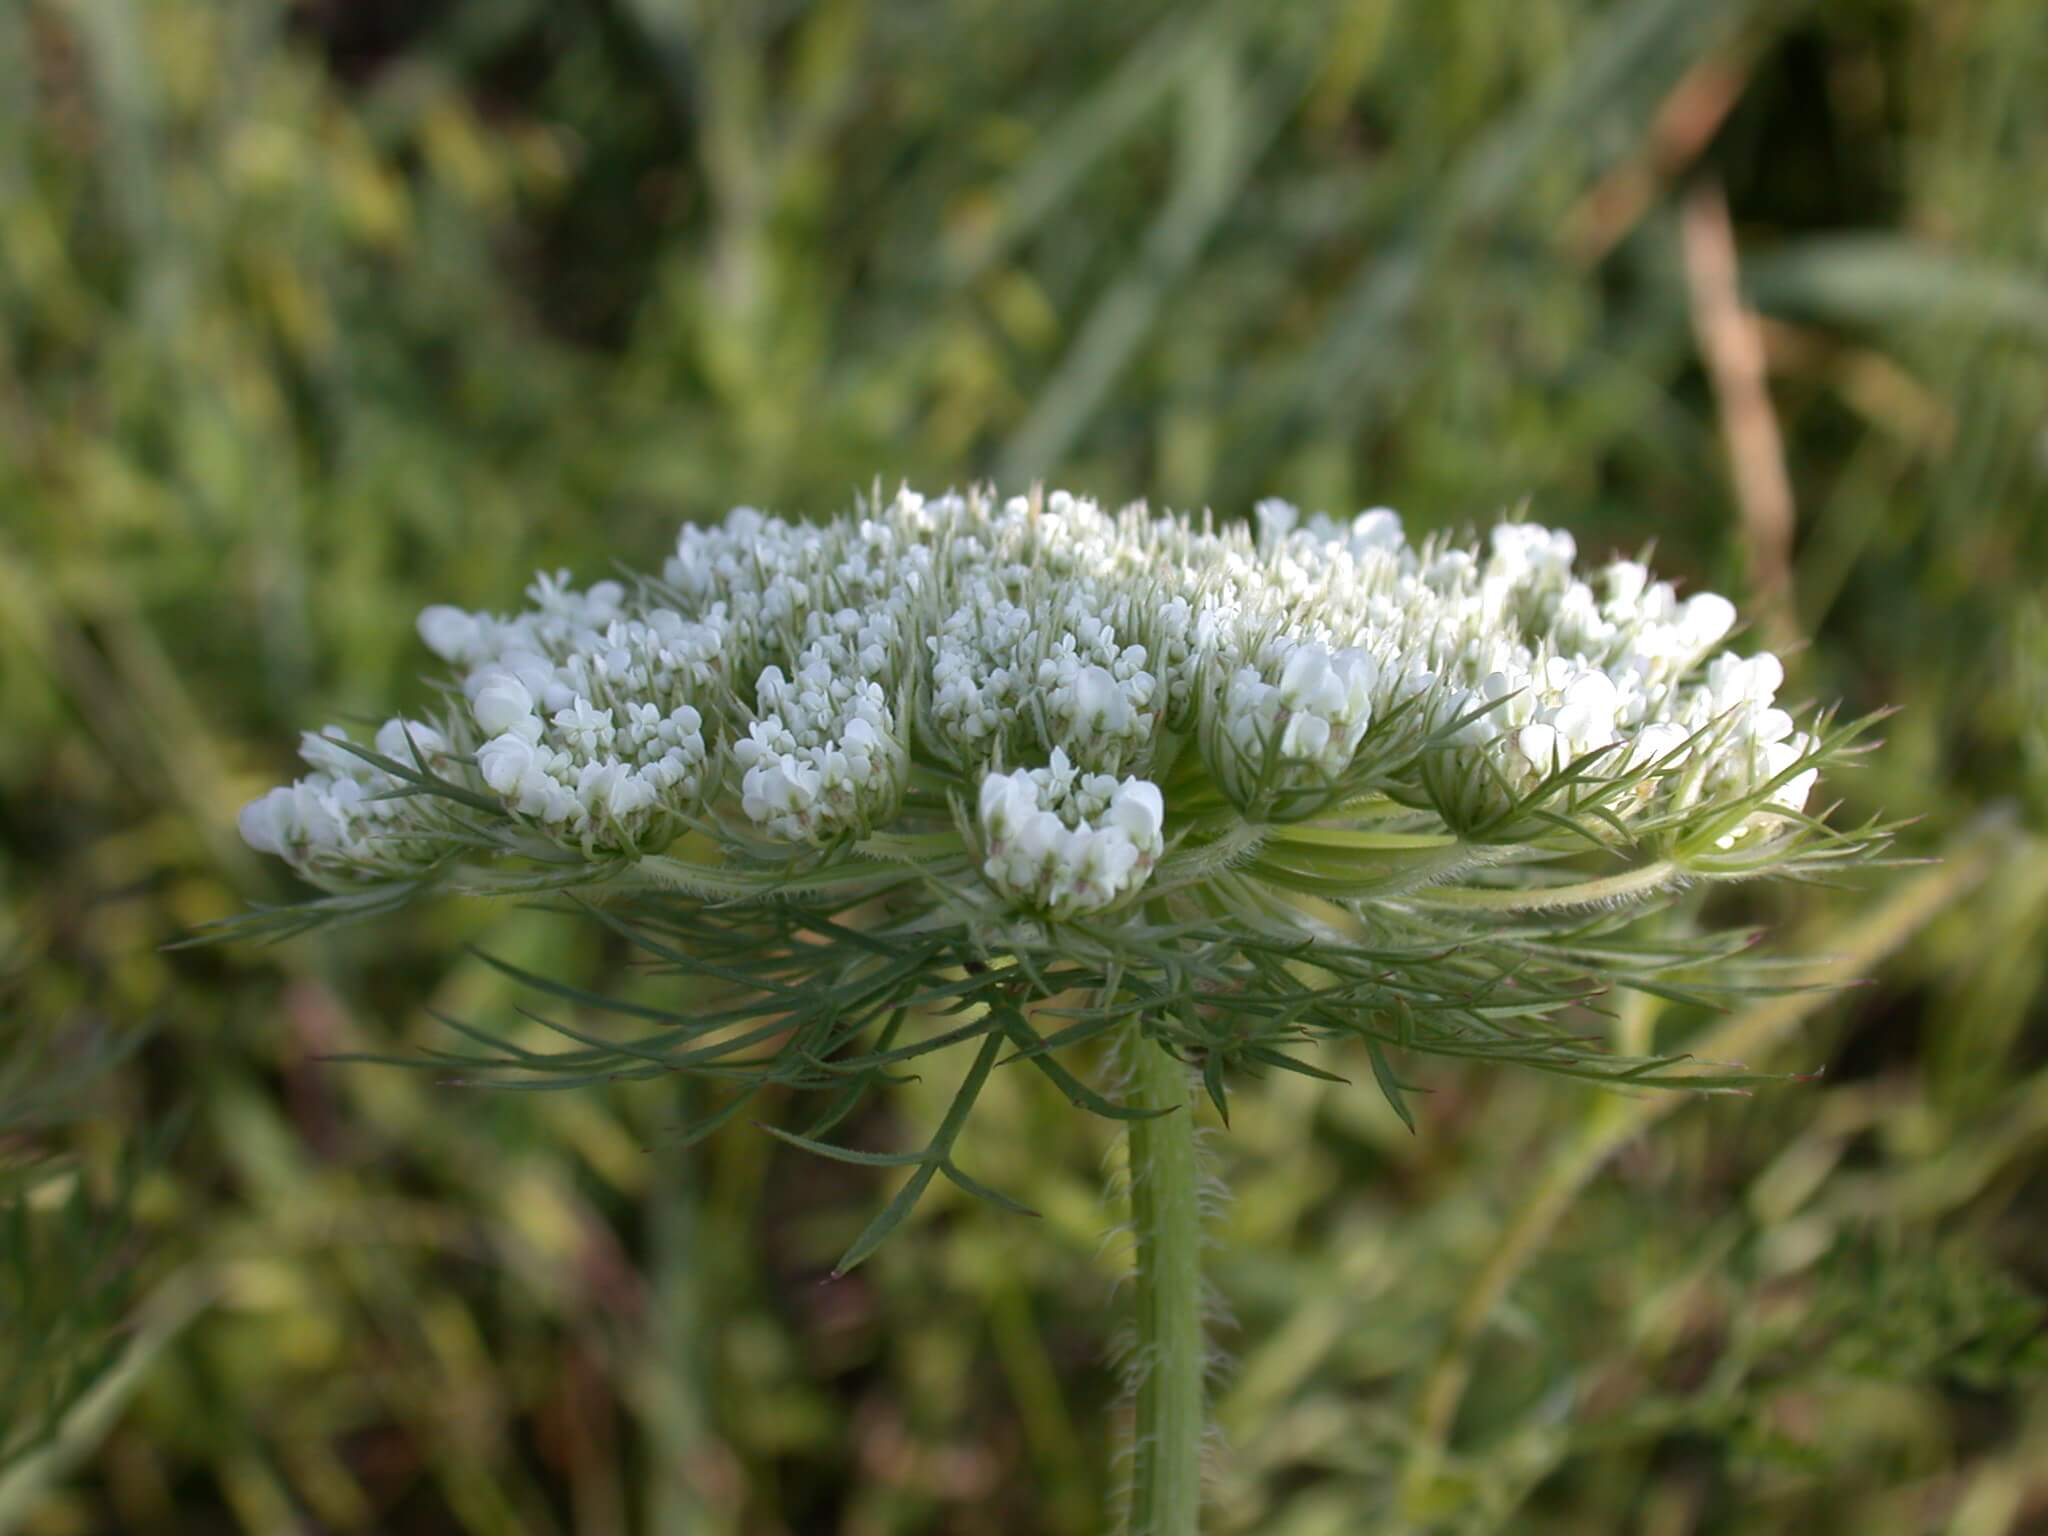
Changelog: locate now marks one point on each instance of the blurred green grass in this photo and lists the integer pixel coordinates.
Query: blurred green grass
(312, 314)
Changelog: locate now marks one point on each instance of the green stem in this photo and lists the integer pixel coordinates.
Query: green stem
(1166, 1218)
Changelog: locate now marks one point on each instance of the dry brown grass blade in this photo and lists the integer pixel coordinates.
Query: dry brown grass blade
(1683, 127)
(1731, 344)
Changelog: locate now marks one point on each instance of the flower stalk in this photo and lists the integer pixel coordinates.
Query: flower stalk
(1171, 1357)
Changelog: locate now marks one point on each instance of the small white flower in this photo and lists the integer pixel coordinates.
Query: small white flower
(323, 750)
(268, 822)
(1585, 714)
(500, 702)
(1377, 528)
(1099, 705)
(1139, 811)
(1276, 519)
(1705, 620)
(450, 633)
(1540, 746)
(400, 739)
(512, 766)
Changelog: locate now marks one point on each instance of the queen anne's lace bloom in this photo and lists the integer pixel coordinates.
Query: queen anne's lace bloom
(1095, 685)
(1029, 777)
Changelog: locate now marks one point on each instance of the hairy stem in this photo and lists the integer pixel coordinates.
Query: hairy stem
(1630, 885)
(1171, 1355)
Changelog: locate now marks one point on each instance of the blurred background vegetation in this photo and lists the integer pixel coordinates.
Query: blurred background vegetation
(312, 313)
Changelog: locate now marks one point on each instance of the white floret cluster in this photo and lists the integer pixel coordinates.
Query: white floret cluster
(581, 709)
(1063, 666)
(1005, 671)
(1763, 743)
(1615, 675)
(349, 816)
(1315, 712)
(1067, 841)
(824, 755)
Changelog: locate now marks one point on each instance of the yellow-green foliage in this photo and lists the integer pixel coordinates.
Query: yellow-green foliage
(312, 314)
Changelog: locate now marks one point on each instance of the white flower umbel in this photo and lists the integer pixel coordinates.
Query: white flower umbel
(1024, 774)
(791, 677)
